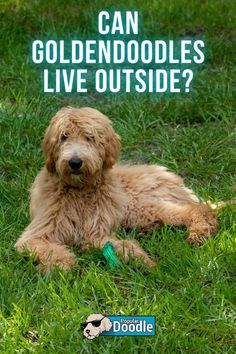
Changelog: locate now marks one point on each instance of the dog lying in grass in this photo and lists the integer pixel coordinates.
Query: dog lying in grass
(81, 196)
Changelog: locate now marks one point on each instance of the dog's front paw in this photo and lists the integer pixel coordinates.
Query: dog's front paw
(64, 261)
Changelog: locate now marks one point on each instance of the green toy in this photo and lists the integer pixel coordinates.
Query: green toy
(109, 253)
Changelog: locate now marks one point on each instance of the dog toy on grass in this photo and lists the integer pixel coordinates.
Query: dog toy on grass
(109, 253)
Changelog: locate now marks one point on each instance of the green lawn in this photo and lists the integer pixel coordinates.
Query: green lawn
(192, 292)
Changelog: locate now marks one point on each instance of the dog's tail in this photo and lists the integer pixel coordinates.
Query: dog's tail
(220, 205)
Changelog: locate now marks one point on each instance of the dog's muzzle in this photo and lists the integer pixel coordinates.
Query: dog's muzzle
(75, 163)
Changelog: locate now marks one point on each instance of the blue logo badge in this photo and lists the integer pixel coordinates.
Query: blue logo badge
(131, 326)
(101, 325)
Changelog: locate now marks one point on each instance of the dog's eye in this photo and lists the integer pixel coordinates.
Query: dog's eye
(96, 323)
(64, 137)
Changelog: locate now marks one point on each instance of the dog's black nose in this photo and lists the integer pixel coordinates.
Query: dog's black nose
(75, 163)
(87, 331)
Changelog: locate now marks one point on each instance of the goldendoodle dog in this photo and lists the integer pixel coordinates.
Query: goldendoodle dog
(95, 325)
(81, 196)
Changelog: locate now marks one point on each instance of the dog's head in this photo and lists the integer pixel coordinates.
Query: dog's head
(95, 325)
(79, 144)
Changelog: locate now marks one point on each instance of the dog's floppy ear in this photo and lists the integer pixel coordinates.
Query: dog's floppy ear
(112, 148)
(106, 324)
(49, 146)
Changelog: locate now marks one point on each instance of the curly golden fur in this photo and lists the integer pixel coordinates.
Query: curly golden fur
(81, 196)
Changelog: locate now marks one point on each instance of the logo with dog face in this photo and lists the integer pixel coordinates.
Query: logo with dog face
(95, 325)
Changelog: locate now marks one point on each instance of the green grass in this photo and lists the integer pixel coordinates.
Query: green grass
(192, 292)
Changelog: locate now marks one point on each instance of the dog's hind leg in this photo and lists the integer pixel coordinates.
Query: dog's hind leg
(201, 223)
(45, 251)
(197, 217)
